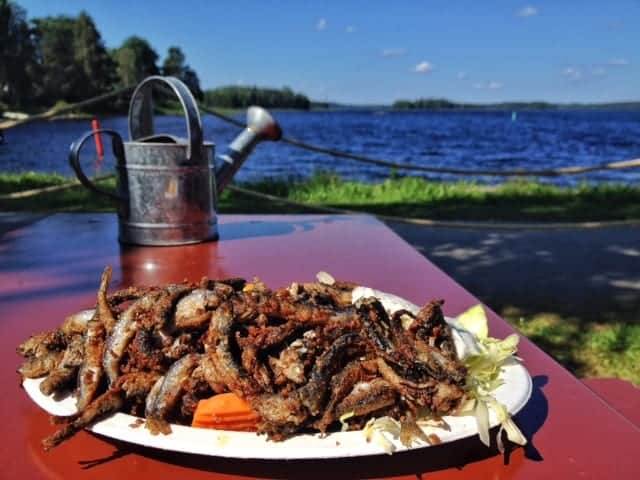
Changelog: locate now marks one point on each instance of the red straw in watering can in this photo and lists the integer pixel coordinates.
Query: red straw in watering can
(95, 126)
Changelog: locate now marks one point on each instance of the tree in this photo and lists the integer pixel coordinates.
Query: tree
(97, 67)
(62, 76)
(135, 61)
(426, 104)
(174, 65)
(174, 62)
(64, 58)
(242, 97)
(18, 68)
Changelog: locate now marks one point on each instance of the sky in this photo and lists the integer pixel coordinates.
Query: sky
(364, 52)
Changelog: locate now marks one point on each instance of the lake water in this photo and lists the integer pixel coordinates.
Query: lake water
(473, 140)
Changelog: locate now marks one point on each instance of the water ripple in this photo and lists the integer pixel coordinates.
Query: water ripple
(472, 140)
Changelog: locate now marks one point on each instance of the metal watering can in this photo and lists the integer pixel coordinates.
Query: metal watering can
(167, 186)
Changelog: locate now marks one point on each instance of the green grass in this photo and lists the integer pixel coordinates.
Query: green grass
(408, 196)
(514, 200)
(76, 199)
(606, 346)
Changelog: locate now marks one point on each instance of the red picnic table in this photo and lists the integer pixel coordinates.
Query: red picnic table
(51, 268)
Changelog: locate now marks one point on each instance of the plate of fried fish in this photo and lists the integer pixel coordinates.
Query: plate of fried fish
(327, 368)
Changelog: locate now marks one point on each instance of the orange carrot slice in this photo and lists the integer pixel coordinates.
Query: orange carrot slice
(225, 411)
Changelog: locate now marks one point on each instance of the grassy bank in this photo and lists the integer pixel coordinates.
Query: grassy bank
(606, 344)
(407, 197)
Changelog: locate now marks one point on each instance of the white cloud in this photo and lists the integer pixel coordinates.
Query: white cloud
(572, 73)
(598, 72)
(619, 62)
(423, 67)
(461, 75)
(492, 85)
(350, 29)
(321, 24)
(615, 26)
(393, 52)
(528, 11)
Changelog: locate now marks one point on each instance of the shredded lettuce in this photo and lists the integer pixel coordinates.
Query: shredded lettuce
(343, 420)
(475, 321)
(506, 424)
(483, 376)
(481, 413)
(377, 429)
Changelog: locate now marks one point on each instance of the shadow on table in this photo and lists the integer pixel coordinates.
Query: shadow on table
(532, 417)
(14, 220)
(416, 462)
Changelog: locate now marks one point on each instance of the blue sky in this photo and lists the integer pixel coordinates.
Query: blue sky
(378, 52)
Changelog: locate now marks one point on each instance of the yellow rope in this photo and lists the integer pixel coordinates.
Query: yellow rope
(426, 222)
(573, 170)
(52, 188)
(55, 111)
(423, 222)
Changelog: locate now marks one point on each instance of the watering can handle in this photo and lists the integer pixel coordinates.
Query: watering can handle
(141, 111)
(74, 159)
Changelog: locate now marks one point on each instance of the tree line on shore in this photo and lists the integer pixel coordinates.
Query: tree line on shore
(240, 96)
(444, 104)
(64, 59)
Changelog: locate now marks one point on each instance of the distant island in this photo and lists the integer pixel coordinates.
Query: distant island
(444, 104)
(423, 104)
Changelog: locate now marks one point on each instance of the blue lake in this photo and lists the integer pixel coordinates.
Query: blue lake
(472, 140)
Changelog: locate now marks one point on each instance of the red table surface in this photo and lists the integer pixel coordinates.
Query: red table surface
(52, 268)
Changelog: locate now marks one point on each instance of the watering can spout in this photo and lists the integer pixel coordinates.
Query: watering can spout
(260, 126)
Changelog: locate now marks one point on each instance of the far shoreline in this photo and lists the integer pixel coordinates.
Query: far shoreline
(407, 106)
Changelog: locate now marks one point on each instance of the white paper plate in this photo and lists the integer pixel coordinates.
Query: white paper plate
(513, 394)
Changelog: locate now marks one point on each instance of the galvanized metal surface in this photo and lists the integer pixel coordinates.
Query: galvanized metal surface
(167, 185)
(260, 126)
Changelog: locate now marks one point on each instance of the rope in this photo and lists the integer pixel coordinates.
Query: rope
(52, 188)
(574, 170)
(55, 111)
(222, 116)
(422, 222)
(426, 222)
